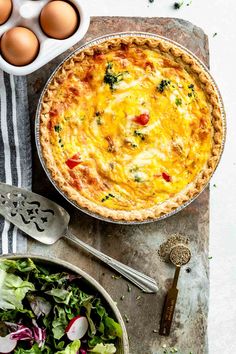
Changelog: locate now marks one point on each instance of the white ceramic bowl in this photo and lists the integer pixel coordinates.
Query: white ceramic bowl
(26, 13)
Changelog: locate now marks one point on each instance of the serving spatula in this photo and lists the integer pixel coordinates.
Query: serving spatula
(47, 222)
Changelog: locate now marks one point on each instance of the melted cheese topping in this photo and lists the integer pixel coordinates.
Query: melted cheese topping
(99, 140)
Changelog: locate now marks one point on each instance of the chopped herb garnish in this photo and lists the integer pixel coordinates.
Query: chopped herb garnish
(163, 84)
(210, 257)
(116, 276)
(111, 78)
(192, 93)
(57, 128)
(214, 185)
(141, 135)
(178, 101)
(215, 34)
(177, 5)
(137, 178)
(108, 196)
(134, 169)
(151, 1)
(99, 120)
(126, 318)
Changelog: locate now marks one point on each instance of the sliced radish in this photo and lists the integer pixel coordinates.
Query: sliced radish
(77, 328)
(7, 345)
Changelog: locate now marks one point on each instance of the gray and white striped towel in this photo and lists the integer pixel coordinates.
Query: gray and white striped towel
(15, 151)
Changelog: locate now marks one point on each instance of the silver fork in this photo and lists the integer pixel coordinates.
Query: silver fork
(47, 222)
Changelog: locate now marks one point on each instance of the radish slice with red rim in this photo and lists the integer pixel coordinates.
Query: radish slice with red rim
(7, 345)
(77, 328)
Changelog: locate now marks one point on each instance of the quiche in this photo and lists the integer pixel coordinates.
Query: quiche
(131, 128)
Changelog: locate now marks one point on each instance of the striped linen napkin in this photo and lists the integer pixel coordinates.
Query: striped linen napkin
(15, 151)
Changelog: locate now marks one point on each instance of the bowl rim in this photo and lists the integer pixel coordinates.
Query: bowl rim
(88, 278)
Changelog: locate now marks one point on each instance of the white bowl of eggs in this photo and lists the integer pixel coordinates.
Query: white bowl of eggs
(33, 32)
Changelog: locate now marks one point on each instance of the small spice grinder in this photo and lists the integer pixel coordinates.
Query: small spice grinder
(179, 256)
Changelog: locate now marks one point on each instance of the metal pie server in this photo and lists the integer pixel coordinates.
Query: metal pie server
(47, 222)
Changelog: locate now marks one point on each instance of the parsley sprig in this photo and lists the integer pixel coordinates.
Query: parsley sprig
(111, 78)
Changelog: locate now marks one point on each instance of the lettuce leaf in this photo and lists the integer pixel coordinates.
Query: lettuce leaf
(60, 295)
(112, 328)
(103, 349)
(33, 350)
(15, 315)
(71, 348)
(59, 322)
(21, 265)
(12, 290)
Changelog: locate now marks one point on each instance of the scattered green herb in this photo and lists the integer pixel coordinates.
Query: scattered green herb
(214, 185)
(192, 89)
(141, 135)
(210, 257)
(126, 318)
(163, 85)
(134, 169)
(178, 101)
(108, 196)
(177, 5)
(116, 276)
(99, 120)
(137, 178)
(133, 145)
(151, 1)
(112, 78)
(215, 34)
(57, 128)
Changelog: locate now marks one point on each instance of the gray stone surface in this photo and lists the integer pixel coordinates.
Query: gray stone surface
(138, 246)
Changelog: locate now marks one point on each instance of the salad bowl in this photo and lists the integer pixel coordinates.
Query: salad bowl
(87, 285)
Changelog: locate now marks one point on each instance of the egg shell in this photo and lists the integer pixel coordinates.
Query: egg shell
(5, 10)
(19, 46)
(59, 19)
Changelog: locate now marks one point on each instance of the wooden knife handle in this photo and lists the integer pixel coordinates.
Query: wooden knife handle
(168, 312)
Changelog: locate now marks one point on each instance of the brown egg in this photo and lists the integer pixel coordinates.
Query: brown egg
(5, 10)
(59, 19)
(19, 46)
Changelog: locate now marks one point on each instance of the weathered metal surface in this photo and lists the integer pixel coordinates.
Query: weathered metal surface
(136, 245)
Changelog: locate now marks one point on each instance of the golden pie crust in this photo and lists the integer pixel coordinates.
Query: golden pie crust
(158, 126)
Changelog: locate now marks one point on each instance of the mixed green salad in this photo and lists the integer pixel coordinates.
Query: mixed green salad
(45, 312)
